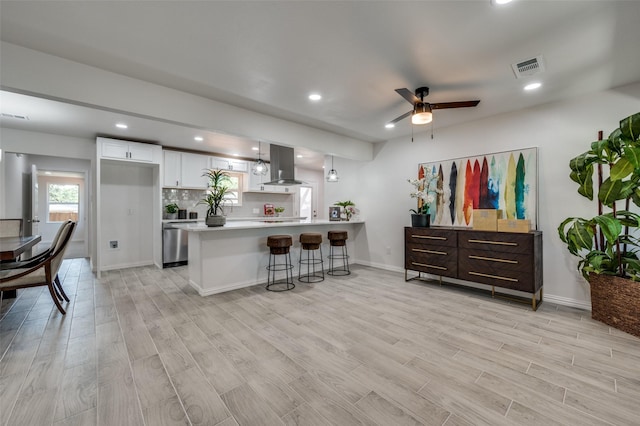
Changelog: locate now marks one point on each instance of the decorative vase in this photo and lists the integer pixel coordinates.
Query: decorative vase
(215, 220)
(421, 220)
(615, 301)
(171, 216)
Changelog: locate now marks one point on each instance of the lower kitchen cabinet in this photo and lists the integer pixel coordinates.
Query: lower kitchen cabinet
(499, 259)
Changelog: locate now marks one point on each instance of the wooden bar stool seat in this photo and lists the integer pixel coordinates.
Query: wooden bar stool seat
(279, 245)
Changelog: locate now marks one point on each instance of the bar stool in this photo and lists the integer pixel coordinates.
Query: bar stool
(279, 245)
(338, 251)
(310, 242)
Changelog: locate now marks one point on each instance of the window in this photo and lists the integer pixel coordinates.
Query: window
(234, 196)
(63, 202)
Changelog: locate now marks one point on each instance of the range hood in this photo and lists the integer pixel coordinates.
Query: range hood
(281, 158)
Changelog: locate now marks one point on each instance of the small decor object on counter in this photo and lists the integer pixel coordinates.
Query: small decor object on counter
(269, 210)
(486, 219)
(425, 193)
(334, 213)
(182, 213)
(171, 211)
(349, 208)
(193, 215)
(279, 211)
(219, 183)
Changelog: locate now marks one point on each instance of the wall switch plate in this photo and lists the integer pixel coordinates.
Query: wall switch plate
(113, 244)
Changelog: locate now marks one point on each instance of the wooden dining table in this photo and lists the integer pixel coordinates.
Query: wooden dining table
(11, 248)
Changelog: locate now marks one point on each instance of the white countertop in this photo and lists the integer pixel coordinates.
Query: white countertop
(263, 223)
(236, 219)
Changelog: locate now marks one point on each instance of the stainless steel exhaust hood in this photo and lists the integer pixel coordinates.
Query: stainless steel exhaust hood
(282, 168)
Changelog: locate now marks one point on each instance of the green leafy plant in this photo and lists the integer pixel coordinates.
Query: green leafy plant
(279, 209)
(606, 243)
(171, 208)
(348, 207)
(219, 183)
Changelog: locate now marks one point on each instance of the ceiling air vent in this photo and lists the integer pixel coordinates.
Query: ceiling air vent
(18, 116)
(529, 67)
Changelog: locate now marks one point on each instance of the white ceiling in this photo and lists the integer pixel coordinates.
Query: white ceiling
(268, 56)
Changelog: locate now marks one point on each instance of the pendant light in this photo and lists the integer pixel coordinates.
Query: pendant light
(332, 176)
(259, 167)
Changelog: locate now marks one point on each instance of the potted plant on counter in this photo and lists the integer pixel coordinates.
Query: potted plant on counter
(348, 208)
(608, 243)
(171, 211)
(219, 183)
(279, 211)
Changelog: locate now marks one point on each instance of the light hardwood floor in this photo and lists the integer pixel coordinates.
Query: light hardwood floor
(140, 347)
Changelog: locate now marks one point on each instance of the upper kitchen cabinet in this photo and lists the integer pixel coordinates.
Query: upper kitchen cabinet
(184, 170)
(116, 149)
(229, 164)
(256, 184)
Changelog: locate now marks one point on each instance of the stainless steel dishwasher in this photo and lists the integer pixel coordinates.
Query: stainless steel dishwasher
(175, 244)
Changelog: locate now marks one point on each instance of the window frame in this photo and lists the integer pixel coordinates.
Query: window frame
(49, 203)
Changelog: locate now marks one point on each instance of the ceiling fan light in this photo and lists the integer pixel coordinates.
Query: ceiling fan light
(421, 114)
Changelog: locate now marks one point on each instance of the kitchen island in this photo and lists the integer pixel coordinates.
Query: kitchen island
(236, 255)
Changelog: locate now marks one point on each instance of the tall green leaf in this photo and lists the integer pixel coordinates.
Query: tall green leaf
(609, 192)
(630, 127)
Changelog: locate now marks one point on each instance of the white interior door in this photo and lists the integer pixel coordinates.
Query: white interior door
(307, 201)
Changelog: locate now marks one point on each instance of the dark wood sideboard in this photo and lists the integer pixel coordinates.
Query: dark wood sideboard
(500, 259)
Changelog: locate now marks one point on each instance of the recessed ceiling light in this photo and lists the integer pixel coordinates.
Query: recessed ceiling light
(48, 173)
(236, 155)
(315, 96)
(389, 125)
(254, 148)
(532, 86)
(121, 126)
(198, 138)
(500, 2)
(299, 156)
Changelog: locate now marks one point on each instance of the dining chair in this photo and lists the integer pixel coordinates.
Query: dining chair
(43, 273)
(10, 227)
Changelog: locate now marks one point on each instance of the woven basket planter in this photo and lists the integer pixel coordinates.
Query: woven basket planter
(615, 301)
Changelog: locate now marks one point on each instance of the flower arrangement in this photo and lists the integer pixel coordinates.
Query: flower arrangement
(348, 208)
(424, 192)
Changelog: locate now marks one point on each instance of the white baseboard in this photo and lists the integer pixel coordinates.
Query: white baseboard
(128, 265)
(565, 301)
(379, 265)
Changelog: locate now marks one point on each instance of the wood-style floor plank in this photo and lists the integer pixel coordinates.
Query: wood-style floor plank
(140, 347)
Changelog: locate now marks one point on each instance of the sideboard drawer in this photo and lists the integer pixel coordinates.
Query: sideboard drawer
(434, 260)
(510, 242)
(440, 237)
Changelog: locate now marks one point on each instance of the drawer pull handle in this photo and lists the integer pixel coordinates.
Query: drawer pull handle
(430, 251)
(493, 276)
(428, 237)
(429, 266)
(494, 259)
(500, 243)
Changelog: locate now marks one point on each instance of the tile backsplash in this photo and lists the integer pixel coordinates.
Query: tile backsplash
(188, 199)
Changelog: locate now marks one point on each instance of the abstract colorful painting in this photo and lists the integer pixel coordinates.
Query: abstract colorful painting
(502, 180)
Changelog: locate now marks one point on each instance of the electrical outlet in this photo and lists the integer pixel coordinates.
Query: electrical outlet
(388, 249)
(256, 211)
(113, 244)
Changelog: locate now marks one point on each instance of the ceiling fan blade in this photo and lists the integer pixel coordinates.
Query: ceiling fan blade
(462, 104)
(402, 117)
(408, 95)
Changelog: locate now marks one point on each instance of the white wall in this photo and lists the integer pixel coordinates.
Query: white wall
(560, 130)
(127, 214)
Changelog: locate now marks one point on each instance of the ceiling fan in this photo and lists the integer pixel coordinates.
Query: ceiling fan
(422, 111)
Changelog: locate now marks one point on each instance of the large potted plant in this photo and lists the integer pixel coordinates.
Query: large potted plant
(219, 183)
(608, 243)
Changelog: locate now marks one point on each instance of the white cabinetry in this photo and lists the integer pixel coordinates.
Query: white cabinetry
(256, 184)
(184, 170)
(172, 168)
(128, 151)
(229, 164)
